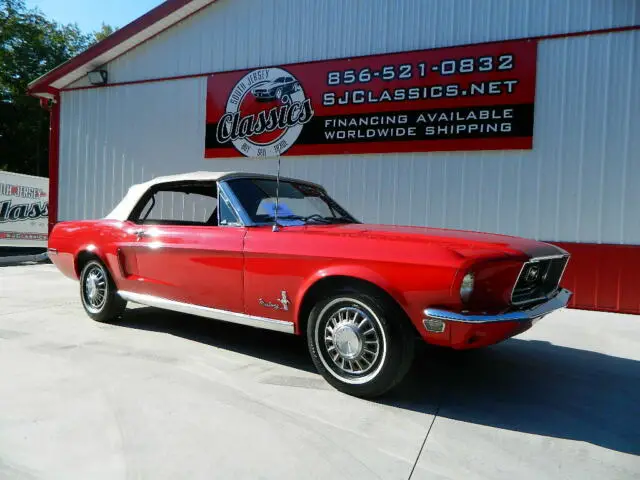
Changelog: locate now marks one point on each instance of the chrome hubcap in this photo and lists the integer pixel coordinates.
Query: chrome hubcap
(352, 342)
(95, 288)
(348, 341)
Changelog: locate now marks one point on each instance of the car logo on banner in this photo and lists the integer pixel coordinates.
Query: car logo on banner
(265, 113)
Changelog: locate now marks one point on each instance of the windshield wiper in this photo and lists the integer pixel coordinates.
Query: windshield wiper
(316, 217)
(338, 220)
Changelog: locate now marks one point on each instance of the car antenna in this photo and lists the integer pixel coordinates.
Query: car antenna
(276, 226)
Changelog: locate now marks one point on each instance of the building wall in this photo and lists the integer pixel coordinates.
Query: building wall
(578, 184)
(238, 34)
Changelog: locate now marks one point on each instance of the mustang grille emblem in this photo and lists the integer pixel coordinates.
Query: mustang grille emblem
(532, 274)
(284, 302)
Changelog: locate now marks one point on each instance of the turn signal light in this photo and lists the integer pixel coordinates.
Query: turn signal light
(434, 325)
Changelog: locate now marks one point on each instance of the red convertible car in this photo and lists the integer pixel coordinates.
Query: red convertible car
(283, 255)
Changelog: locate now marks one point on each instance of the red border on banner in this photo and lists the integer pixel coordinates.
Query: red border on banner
(475, 97)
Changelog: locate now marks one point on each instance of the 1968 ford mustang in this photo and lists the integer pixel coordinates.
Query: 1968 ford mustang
(210, 244)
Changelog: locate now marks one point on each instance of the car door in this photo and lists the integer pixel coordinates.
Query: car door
(183, 254)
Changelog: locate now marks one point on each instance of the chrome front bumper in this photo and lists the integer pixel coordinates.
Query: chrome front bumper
(556, 302)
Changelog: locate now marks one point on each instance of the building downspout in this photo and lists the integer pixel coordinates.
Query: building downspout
(53, 106)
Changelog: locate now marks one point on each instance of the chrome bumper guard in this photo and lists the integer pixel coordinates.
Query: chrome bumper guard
(556, 302)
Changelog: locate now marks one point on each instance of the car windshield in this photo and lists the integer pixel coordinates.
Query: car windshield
(298, 204)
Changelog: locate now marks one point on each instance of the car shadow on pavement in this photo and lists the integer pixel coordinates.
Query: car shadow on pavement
(527, 386)
(272, 346)
(532, 386)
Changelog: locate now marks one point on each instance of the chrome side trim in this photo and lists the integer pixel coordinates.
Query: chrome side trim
(206, 312)
(564, 268)
(547, 257)
(560, 300)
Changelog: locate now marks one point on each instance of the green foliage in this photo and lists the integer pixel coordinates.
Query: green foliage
(30, 46)
(104, 32)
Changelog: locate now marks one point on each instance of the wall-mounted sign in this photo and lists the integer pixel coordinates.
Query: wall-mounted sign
(24, 206)
(477, 97)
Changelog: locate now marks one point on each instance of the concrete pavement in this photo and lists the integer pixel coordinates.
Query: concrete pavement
(164, 395)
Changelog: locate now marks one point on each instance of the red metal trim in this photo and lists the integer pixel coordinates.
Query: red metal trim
(119, 36)
(54, 160)
(195, 12)
(603, 276)
(136, 82)
(196, 75)
(585, 33)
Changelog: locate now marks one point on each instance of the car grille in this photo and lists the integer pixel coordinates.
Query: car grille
(538, 279)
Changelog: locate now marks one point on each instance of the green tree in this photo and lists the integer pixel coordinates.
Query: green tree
(104, 32)
(30, 45)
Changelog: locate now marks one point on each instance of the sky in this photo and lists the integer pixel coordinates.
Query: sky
(89, 15)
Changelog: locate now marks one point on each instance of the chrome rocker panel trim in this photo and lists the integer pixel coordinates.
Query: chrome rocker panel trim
(206, 312)
(560, 300)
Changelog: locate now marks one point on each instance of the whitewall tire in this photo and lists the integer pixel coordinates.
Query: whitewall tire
(98, 293)
(360, 343)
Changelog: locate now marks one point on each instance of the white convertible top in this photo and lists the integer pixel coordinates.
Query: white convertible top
(135, 193)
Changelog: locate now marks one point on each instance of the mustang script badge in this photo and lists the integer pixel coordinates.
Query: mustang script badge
(284, 302)
(265, 113)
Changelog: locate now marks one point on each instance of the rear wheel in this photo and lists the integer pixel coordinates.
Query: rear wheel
(360, 343)
(99, 296)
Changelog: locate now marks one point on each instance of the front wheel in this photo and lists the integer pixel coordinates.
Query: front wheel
(360, 343)
(98, 293)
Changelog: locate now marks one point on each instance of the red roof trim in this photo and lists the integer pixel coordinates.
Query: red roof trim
(554, 36)
(43, 84)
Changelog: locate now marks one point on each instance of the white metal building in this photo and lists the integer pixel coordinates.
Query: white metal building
(577, 185)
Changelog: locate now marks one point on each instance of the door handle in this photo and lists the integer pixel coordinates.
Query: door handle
(140, 234)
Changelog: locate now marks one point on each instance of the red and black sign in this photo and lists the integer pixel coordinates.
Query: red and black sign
(477, 97)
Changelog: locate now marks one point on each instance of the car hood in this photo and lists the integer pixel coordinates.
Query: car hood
(463, 242)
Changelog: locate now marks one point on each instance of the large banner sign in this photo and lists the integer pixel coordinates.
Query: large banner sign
(24, 208)
(477, 97)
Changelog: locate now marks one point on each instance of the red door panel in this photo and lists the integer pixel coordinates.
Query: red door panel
(197, 265)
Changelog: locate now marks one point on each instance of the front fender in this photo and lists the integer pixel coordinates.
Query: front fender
(353, 271)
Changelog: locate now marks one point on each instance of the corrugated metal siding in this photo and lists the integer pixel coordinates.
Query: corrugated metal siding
(113, 138)
(578, 184)
(603, 277)
(235, 34)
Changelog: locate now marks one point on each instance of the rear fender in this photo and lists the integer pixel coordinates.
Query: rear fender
(90, 249)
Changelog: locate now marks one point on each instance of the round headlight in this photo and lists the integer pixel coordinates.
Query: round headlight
(466, 288)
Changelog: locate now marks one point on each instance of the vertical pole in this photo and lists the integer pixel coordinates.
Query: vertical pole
(276, 227)
(54, 159)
